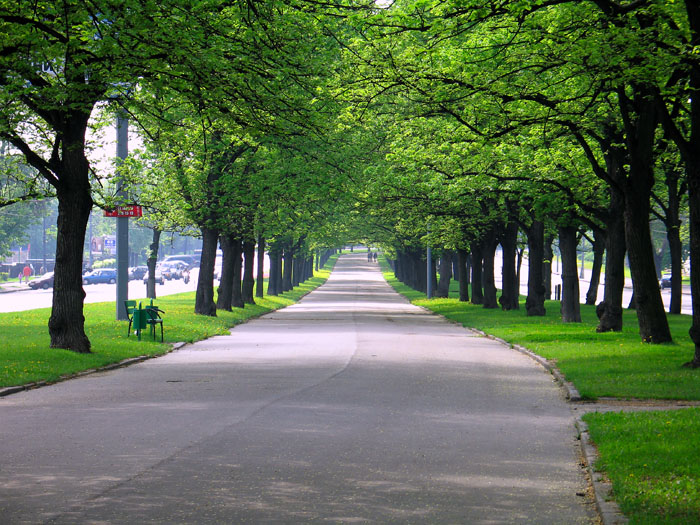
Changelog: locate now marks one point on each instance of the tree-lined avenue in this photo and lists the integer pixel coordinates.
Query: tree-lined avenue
(351, 405)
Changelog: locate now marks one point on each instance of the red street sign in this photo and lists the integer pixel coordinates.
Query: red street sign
(125, 211)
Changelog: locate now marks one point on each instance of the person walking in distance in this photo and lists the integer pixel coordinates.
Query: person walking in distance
(26, 272)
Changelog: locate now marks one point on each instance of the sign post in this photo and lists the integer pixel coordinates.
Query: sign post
(122, 224)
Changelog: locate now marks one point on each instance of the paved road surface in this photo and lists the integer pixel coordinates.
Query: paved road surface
(352, 406)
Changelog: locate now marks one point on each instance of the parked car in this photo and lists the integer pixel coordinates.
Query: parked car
(665, 281)
(44, 282)
(101, 275)
(172, 269)
(158, 276)
(191, 261)
(137, 272)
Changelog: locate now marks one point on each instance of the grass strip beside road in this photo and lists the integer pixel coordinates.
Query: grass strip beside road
(614, 364)
(25, 355)
(653, 461)
(652, 458)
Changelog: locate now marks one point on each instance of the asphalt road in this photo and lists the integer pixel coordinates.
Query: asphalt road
(352, 406)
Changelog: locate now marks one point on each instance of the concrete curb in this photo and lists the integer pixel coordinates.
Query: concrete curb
(112, 366)
(572, 394)
(608, 510)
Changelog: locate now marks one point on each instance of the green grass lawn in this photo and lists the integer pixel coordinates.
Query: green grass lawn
(25, 356)
(599, 365)
(652, 458)
(653, 461)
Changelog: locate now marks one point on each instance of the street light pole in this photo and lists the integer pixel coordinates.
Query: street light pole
(122, 223)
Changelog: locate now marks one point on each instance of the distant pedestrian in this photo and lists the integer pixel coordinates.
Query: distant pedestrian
(26, 272)
(369, 256)
(374, 256)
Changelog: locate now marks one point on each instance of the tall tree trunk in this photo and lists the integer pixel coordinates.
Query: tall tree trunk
(204, 298)
(694, 220)
(67, 322)
(547, 266)
(288, 269)
(261, 268)
(570, 300)
(463, 275)
(443, 287)
(477, 273)
(248, 279)
(598, 251)
(490, 244)
(535, 286)
(224, 298)
(610, 310)
(274, 283)
(640, 138)
(151, 263)
(236, 295)
(510, 295)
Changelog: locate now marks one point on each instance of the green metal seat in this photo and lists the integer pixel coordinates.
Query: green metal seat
(153, 318)
(130, 306)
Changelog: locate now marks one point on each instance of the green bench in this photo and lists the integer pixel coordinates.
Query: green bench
(141, 318)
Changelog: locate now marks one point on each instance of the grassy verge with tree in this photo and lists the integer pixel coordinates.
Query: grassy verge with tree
(26, 357)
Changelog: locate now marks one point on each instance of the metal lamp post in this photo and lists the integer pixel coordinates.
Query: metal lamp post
(122, 223)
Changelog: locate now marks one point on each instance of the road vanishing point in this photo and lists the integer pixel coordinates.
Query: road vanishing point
(352, 406)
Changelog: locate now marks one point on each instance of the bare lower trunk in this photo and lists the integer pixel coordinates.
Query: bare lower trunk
(510, 294)
(477, 274)
(67, 322)
(570, 301)
(236, 291)
(463, 275)
(598, 251)
(248, 285)
(151, 263)
(490, 244)
(610, 310)
(288, 268)
(261, 268)
(204, 298)
(443, 287)
(223, 296)
(535, 286)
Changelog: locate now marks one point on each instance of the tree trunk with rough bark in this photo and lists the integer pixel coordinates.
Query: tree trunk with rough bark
(570, 300)
(490, 244)
(610, 310)
(547, 266)
(443, 287)
(224, 300)
(288, 268)
(67, 322)
(151, 263)
(248, 285)
(510, 294)
(260, 282)
(463, 275)
(236, 292)
(534, 304)
(477, 274)
(598, 252)
(204, 298)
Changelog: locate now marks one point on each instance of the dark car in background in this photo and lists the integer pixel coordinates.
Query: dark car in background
(44, 282)
(101, 275)
(137, 272)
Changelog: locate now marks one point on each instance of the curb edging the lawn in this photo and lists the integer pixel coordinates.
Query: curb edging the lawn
(6, 391)
(608, 509)
(112, 366)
